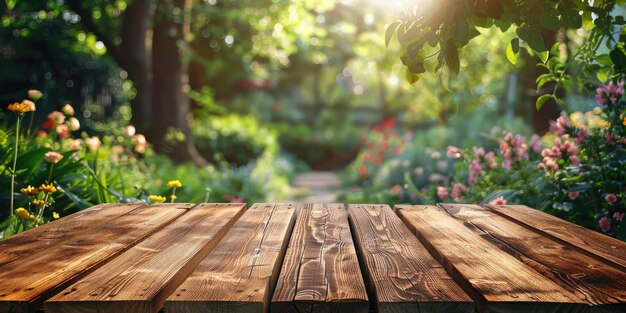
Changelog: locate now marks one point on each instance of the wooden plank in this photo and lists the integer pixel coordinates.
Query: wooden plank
(240, 273)
(497, 281)
(26, 284)
(320, 271)
(400, 272)
(592, 281)
(24, 244)
(586, 239)
(141, 278)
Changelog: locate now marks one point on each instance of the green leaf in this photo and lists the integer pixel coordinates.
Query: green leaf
(550, 19)
(10, 4)
(533, 38)
(604, 59)
(571, 19)
(452, 56)
(411, 77)
(389, 32)
(80, 203)
(542, 99)
(512, 51)
(543, 55)
(619, 58)
(542, 80)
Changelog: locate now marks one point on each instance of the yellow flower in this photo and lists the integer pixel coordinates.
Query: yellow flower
(19, 108)
(174, 183)
(38, 202)
(55, 215)
(597, 111)
(22, 213)
(158, 199)
(31, 217)
(48, 188)
(577, 120)
(624, 121)
(30, 190)
(173, 197)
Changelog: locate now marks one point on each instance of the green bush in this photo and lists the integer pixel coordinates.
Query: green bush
(236, 139)
(60, 171)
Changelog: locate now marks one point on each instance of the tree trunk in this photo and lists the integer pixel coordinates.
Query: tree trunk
(171, 106)
(137, 61)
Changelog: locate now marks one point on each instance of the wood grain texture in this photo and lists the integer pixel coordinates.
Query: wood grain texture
(592, 281)
(54, 233)
(320, 271)
(240, 273)
(142, 277)
(26, 284)
(585, 239)
(497, 281)
(400, 272)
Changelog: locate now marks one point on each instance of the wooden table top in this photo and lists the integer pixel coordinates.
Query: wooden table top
(280, 257)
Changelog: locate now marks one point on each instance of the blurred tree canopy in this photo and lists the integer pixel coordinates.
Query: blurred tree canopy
(431, 33)
(321, 64)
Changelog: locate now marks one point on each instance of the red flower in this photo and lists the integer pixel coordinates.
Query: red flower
(363, 171)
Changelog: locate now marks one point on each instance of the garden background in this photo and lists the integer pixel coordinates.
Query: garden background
(474, 101)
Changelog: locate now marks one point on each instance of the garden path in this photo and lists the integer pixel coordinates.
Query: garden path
(316, 187)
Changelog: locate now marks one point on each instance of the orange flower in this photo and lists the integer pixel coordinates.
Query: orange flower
(48, 188)
(30, 190)
(19, 108)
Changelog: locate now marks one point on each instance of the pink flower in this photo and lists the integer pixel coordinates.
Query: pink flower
(475, 170)
(457, 190)
(491, 161)
(396, 190)
(610, 198)
(442, 192)
(582, 134)
(453, 152)
(53, 157)
(62, 131)
(535, 143)
(76, 144)
(93, 143)
(573, 195)
(41, 134)
(618, 216)
(56, 117)
(498, 201)
(479, 152)
(605, 224)
(560, 126)
(574, 159)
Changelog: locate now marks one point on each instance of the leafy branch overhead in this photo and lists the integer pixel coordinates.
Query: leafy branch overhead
(442, 27)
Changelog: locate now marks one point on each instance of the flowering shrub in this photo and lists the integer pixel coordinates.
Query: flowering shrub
(576, 171)
(54, 170)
